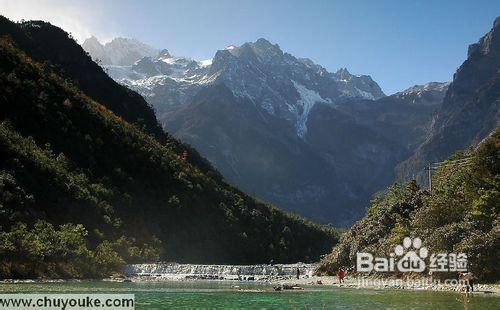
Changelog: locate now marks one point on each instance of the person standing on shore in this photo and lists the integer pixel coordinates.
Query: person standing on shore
(341, 275)
(298, 273)
(469, 278)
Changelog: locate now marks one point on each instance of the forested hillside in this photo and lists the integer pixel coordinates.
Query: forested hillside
(82, 190)
(461, 214)
(53, 47)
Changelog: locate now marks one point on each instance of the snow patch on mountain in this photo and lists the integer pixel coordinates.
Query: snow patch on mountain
(365, 94)
(308, 98)
(206, 62)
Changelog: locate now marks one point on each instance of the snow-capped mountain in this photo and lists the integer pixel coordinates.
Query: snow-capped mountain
(283, 85)
(357, 86)
(120, 51)
(283, 128)
(429, 93)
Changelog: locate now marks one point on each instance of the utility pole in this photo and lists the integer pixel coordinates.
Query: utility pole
(429, 173)
(447, 163)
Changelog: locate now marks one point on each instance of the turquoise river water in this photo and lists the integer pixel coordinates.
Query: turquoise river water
(219, 294)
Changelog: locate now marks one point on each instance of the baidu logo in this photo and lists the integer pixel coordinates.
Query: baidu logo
(410, 257)
(410, 260)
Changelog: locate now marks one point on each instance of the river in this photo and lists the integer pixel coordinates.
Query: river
(257, 295)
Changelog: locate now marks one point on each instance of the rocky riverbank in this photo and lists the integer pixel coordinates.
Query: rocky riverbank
(285, 275)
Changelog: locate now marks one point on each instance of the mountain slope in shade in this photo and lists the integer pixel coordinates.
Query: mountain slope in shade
(347, 153)
(44, 42)
(67, 158)
(470, 109)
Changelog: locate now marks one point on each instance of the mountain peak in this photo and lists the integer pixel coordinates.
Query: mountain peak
(164, 54)
(92, 40)
(357, 85)
(123, 40)
(496, 23)
(431, 93)
(120, 51)
(265, 43)
(223, 55)
(343, 74)
(440, 86)
(92, 43)
(262, 43)
(265, 49)
(489, 44)
(342, 71)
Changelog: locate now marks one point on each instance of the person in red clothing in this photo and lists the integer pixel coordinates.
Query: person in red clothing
(341, 275)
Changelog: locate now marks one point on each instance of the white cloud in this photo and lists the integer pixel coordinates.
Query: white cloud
(80, 18)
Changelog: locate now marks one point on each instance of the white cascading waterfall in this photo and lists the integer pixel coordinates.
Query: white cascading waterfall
(222, 272)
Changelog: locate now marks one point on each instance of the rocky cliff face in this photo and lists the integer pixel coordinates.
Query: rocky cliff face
(470, 109)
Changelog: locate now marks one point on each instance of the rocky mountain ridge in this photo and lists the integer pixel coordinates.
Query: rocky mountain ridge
(280, 83)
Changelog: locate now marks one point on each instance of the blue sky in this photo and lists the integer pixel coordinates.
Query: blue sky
(399, 43)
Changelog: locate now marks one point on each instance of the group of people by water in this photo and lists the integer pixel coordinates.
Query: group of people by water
(465, 278)
(340, 274)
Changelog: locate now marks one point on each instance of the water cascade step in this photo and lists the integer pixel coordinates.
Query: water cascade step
(177, 271)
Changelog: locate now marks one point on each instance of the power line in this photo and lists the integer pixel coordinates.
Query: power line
(462, 162)
(447, 162)
(435, 166)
